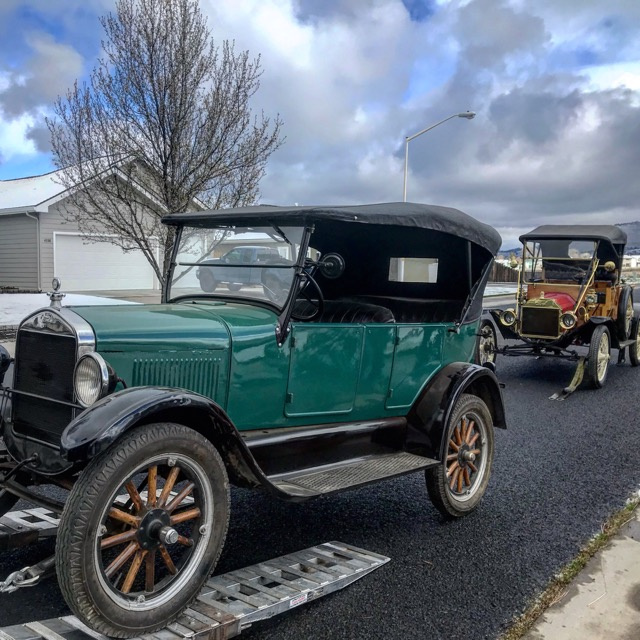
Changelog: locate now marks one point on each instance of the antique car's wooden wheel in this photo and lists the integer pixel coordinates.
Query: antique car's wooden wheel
(142, 530)
(634, 349)
(625, 314)
(599, 356)
(457, 485)
(486, 343)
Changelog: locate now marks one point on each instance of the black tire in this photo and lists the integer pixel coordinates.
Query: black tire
(625, 314)
(457, 485)
(599, 356)
(234, 286)
(114, 596)
(634, 349)
(486, 343)
(207, 282)
(7, 500)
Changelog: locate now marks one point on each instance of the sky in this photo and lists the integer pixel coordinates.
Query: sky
(555, 85)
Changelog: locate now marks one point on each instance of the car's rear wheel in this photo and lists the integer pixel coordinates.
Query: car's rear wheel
(486, 343)
(142, 530)
(457, 485)
(599, 356)
(634, 348)
(625, 313)
(234, 286)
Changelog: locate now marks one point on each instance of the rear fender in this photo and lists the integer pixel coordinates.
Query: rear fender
(430, 413)
(104, 422)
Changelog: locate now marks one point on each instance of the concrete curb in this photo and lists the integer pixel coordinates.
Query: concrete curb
(603, 601)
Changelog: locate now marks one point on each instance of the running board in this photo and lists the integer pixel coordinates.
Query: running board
(230, 603)
(349, 474)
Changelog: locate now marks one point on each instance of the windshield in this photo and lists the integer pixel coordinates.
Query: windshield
(244, 262)
(557, 259)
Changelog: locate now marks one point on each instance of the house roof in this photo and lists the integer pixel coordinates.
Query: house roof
(27, 194)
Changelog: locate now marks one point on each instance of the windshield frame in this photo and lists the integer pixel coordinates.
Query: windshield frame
(536, 257)
(284, 311)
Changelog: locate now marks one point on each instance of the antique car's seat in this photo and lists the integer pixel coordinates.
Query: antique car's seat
(344, 311)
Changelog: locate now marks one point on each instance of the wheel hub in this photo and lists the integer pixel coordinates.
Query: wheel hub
(155, 529)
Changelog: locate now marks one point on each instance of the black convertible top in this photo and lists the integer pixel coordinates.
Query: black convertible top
(608, 232)
(403, 214)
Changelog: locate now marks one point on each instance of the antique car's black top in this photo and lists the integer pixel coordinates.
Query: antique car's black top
(608, 232)
(404, 214)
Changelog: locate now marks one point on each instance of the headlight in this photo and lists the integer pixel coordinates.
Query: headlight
(508, 317)
(568, 320)
(91, 379)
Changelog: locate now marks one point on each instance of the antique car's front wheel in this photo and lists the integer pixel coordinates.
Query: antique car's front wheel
(599, 355)
(457, 485)
(142, 530)
(486, 343)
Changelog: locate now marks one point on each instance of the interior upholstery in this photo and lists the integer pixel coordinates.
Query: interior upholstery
(412, 310)
(344, 311)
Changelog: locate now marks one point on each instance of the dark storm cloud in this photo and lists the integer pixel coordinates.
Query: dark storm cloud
(39, 134)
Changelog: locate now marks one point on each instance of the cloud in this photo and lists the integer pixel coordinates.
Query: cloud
(50, 71)
(555, 84)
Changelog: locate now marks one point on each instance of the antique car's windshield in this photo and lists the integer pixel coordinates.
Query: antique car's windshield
(557, 259)
(245, 262)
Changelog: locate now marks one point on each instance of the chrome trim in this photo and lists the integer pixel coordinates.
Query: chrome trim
(104, 376)
(77, 325)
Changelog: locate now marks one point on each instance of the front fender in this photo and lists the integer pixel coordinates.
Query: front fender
(430, 413)
(103, 423)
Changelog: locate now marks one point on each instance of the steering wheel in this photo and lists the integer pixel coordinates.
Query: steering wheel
(315, 306)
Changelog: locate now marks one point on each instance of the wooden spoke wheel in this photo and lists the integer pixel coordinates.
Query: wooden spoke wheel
(599, 356)
(142, 530)
(457, 485)
(486, 344)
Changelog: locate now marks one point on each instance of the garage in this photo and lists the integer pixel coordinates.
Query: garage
(100, 266)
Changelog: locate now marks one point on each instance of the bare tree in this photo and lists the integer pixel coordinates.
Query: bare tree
(164, 125)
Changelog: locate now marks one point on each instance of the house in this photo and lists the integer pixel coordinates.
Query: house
(37, 243)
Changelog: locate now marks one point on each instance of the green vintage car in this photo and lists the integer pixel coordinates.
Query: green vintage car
(348, 362)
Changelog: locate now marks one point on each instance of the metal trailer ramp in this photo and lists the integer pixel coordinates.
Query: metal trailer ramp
(232, 602)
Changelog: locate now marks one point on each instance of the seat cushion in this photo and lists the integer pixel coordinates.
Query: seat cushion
(344, 311)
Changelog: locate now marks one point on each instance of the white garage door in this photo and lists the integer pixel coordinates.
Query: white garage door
(99, 266)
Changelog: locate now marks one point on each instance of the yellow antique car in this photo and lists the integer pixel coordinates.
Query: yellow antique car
(570, 293)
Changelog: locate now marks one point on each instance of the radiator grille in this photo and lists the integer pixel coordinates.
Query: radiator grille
(44, 366)
(197, 373)
(540, 322)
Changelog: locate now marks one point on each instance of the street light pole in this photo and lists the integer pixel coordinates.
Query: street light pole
(469, 115)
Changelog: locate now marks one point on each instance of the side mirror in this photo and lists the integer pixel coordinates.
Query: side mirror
(332, 266)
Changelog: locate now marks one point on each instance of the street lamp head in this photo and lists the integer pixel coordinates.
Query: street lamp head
(469, 115)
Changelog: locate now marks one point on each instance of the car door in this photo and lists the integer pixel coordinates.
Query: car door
(324, 368)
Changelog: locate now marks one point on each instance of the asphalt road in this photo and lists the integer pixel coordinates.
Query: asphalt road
(560, 469)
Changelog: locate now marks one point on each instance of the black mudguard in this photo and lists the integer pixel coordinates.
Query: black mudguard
(104, 422)
(430, 413)
(506, 332)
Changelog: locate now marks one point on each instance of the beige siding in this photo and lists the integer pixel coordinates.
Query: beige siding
(18, 252)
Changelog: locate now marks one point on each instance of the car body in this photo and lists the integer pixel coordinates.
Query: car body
(571, 293)
(349, 364)
(213, 272)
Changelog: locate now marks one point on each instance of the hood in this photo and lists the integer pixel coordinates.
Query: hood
(198, 325)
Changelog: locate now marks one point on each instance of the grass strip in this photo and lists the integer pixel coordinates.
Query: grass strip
(555, 590)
